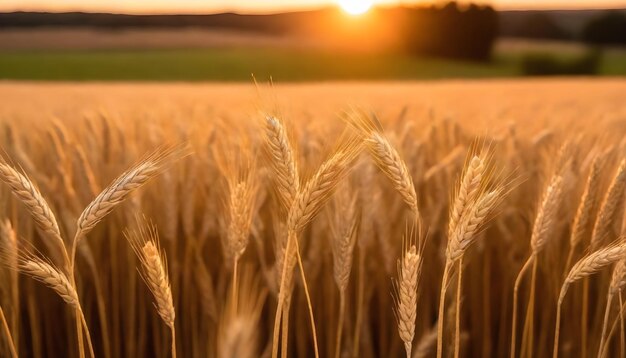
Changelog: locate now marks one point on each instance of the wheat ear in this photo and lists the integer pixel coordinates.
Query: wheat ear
(241, 205)
(585, 210)
(468, 189)
(610, 208)
(465, 233)
(386, 156)
(50, 276)
(544, 222)
(585, 267)
(409, 268)
(282, 159)
(318, 189)
(145, 243)
(29, 195)
(587, 204)
(125, 184)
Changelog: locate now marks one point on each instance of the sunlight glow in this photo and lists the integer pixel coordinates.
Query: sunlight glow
(355, 7)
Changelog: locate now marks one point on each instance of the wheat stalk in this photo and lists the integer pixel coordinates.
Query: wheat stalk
(307, 203)
(345, 229)
(542, 231)
(7, 332)
(618, 280)
(468, 213)
(145, 243)
(585, 267)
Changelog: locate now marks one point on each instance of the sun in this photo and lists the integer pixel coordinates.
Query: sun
(355, 7)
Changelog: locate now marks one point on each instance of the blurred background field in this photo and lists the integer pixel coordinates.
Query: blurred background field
(312, 45)
(282, 64)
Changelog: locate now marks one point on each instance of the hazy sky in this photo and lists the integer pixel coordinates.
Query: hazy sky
(186, 6)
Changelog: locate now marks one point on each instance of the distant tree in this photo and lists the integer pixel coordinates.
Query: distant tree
(607, 29)
(467, 32)
(541, 26)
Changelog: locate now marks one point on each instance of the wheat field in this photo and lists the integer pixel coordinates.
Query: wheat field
(433, 219)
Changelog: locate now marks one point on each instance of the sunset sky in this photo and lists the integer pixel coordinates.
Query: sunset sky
(255, 6)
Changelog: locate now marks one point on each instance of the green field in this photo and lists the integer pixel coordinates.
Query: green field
(237, 64)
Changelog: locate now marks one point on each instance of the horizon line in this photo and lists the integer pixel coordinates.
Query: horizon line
(239, 11)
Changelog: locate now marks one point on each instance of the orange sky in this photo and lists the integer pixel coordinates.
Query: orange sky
(247, 6)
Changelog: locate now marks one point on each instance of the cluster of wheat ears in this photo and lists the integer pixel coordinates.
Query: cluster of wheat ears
(263, 240)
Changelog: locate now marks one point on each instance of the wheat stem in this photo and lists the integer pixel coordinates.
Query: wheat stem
(440, 317)
(518, 282)
(457, 332)
(605, 322)
(7, 333)
(342, 308)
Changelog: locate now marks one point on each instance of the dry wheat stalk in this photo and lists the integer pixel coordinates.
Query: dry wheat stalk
(610, 208)
(585, 267)
(345, 228)
(618, 280)
(542, 231)
(145, 243)
(307, 203)
(471, 208)
(594, 262)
